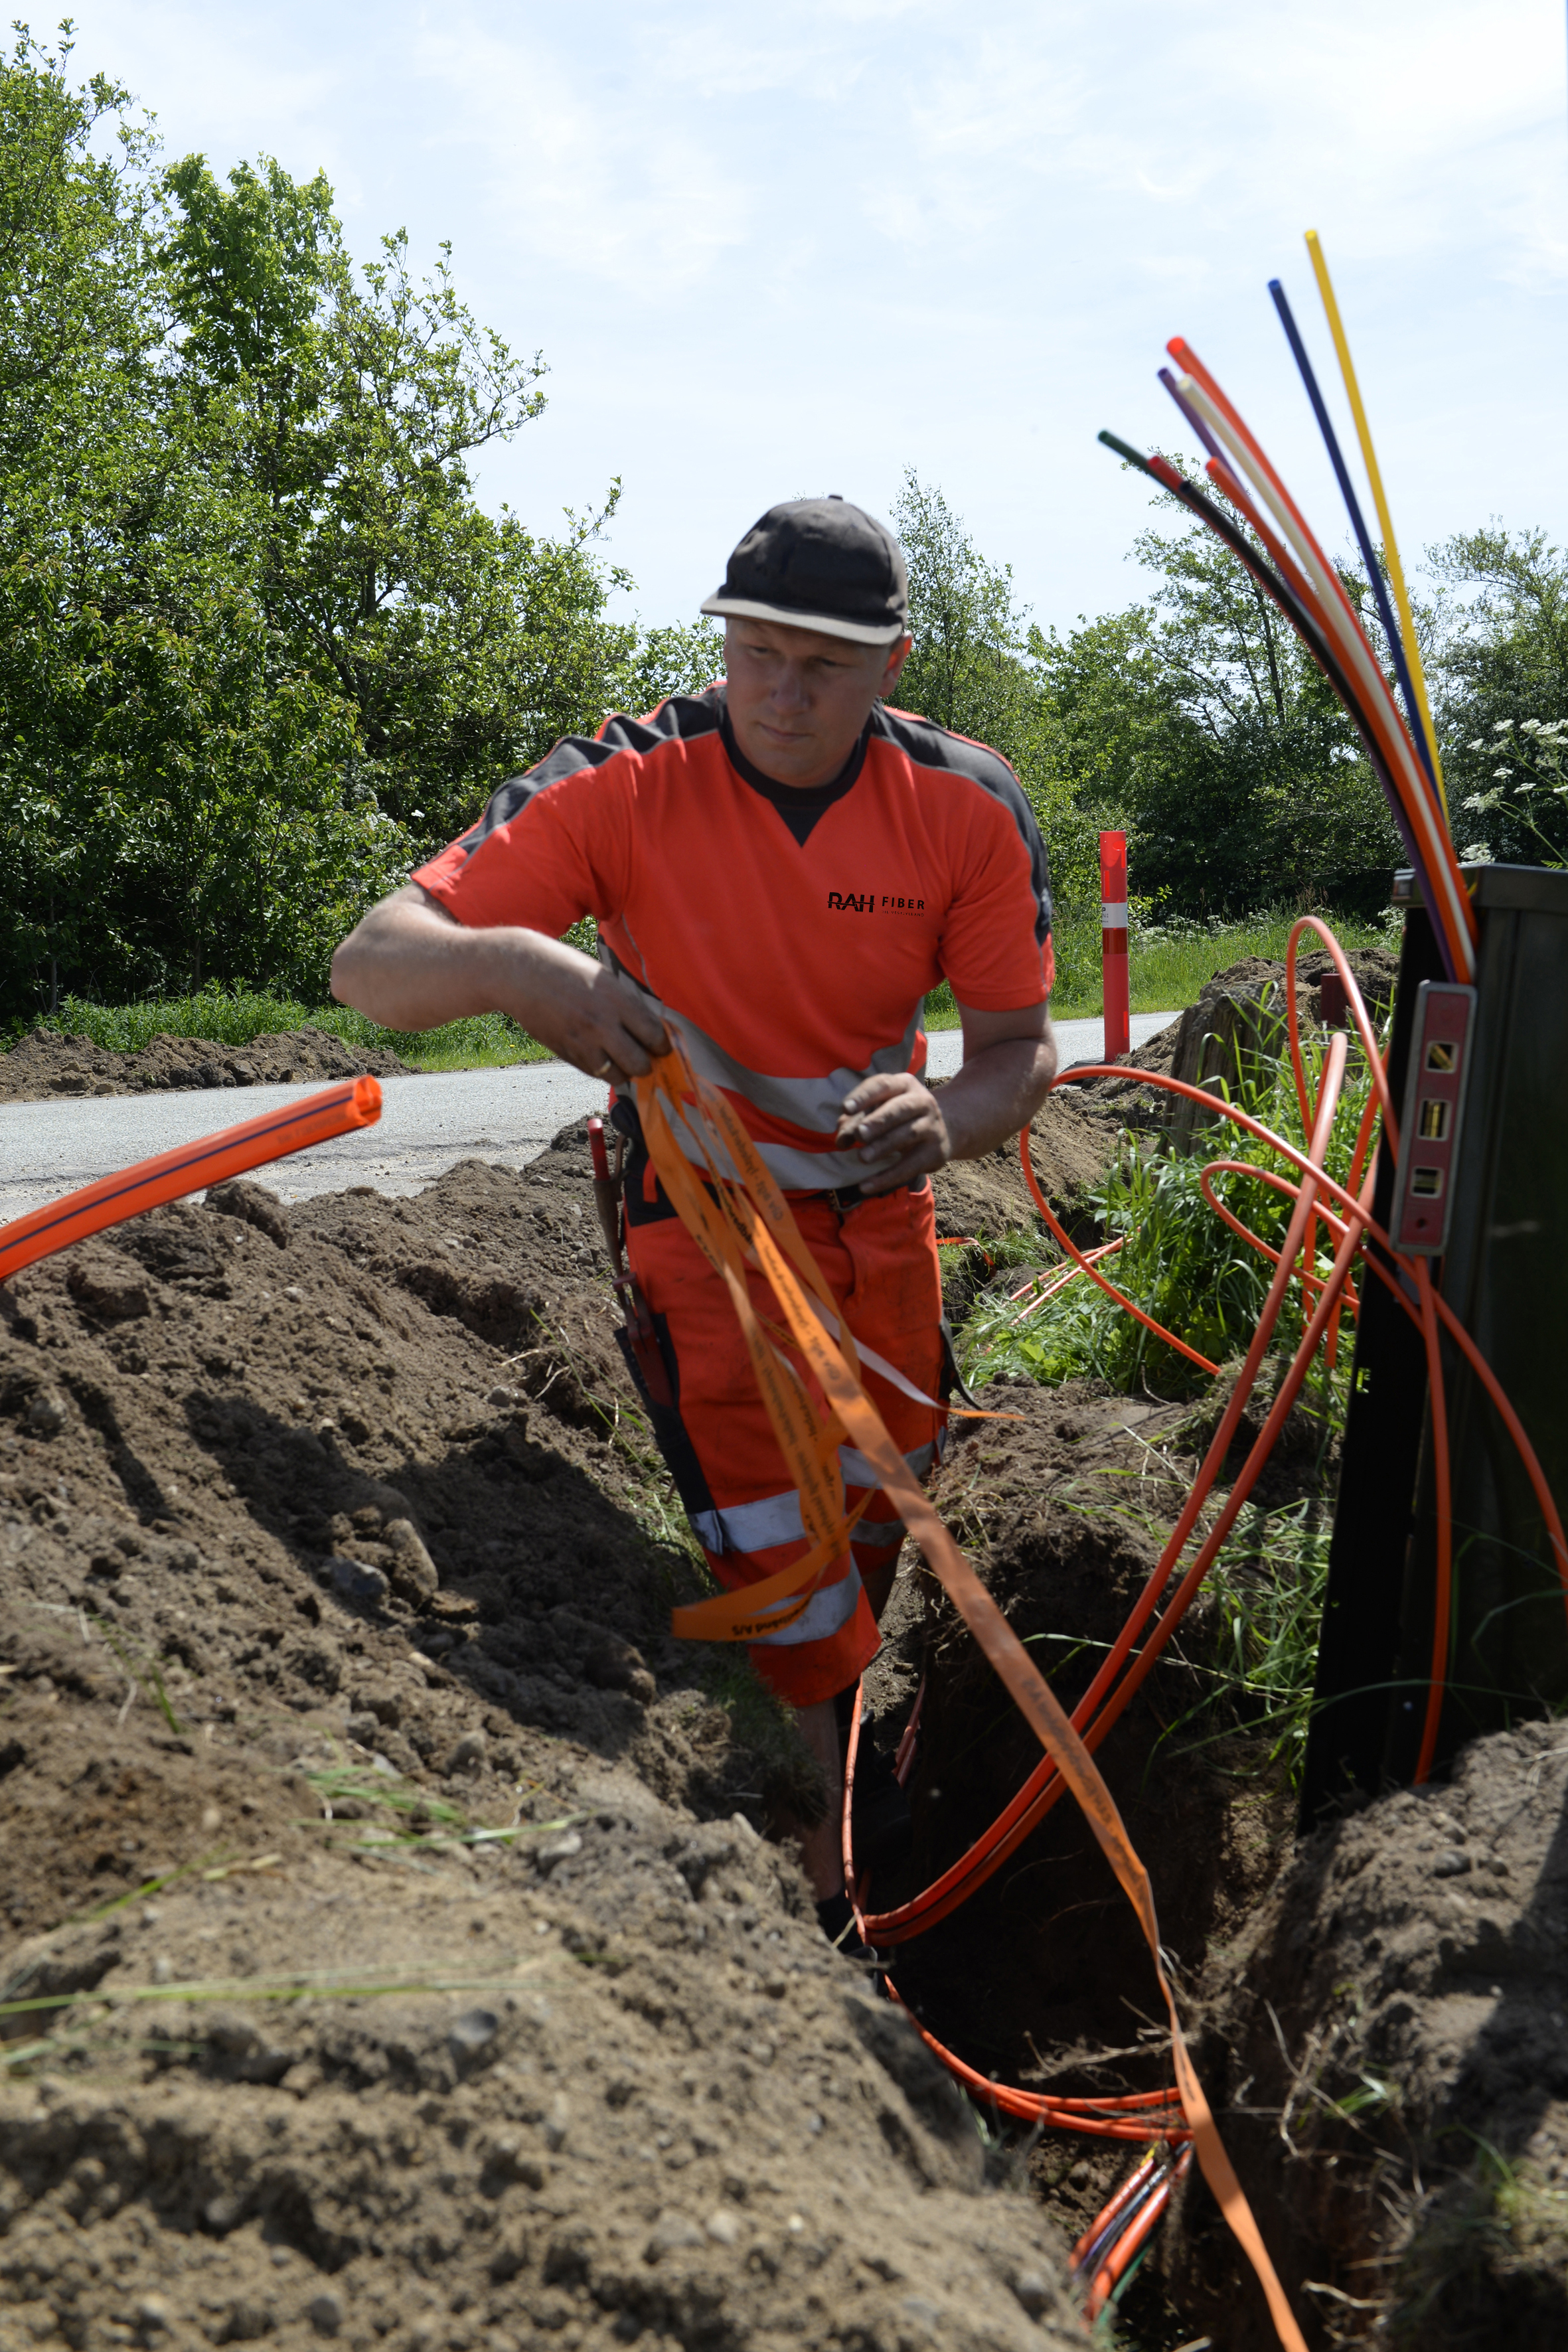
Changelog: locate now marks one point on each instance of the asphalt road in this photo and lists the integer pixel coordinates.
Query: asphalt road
(47, 1149)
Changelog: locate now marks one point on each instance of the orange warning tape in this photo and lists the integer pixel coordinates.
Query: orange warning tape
(755, 1210)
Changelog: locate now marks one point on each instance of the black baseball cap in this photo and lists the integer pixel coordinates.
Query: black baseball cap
(819, 564)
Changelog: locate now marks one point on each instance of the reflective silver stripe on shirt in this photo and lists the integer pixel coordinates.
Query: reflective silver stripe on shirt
(813, 1104)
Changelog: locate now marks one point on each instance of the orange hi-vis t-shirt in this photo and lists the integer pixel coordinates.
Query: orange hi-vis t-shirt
(790, 936)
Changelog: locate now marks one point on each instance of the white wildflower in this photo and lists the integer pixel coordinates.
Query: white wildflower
(1479, 854)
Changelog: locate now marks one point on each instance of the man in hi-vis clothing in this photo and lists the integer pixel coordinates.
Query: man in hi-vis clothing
(780, 868)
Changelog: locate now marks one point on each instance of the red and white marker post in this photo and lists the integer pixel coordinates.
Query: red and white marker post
(1113, 942)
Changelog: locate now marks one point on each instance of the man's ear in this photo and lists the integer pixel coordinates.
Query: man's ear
(896, 660)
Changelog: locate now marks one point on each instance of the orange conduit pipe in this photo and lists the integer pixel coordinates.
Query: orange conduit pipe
(190, 1168)
(1116, 2259)
(1038, 1794)
(1132, 2116)
(1148, 2114)
(1041, 1791)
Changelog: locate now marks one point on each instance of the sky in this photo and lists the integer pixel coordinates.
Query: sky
(776, 251)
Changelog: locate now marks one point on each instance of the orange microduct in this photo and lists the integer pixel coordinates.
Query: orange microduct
(741, 1224)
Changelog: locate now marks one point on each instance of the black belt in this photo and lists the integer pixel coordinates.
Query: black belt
(849, 1196)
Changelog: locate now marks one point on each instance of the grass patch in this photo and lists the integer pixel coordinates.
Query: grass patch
(1267, 1587)
(1169, 964)
(233, 1017)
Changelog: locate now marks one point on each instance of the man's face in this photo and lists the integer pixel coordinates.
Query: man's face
(799, 698)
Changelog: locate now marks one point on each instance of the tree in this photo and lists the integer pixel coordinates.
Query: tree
(1202, 718)
(260, 647)
(1502, 681)
(975, 666)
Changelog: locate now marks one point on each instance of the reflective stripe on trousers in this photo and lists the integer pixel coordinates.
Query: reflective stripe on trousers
(881, 1263)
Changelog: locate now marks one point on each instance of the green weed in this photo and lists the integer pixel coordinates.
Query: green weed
(1178, 1260)
(1265, 1590)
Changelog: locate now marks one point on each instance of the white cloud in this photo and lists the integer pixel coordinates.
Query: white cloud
(599, 180)
(819, 242)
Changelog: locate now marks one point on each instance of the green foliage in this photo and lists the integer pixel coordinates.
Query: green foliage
(261, 648)
(972, 668)
(1194, 721)
(1168, 963)
(1178, 1260)
(1171, 963)
(1523, 802)
(233, 1017)
(1201, 718)
(1503, 691)
(1266, 1593)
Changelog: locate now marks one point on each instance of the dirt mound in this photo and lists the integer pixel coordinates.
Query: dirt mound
(411, 1415)
(387, 1878)
(1235, 1008)
(44, 1063)
(1071, 1143)
(1386, 2055)
(594, 2082)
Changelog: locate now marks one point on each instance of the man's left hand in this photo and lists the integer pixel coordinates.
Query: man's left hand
(895, 1127)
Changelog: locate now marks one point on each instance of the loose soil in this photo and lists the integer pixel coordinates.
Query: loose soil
(413, 1964)
(1386, 2045)
(1071, 1144)
(331, 1544)
(42, 1063)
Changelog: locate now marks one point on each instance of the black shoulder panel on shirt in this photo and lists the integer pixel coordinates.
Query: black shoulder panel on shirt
(928, 745)
(683, 718)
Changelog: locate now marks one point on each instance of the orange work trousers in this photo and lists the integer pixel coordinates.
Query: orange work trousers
(879, 1260)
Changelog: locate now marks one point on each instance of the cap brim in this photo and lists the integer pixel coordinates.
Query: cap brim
(827, 624)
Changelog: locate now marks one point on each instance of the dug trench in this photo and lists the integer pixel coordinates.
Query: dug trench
(407, 1966)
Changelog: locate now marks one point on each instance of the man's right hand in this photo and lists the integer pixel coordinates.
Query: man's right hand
(410, 965)
(587, 1015)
